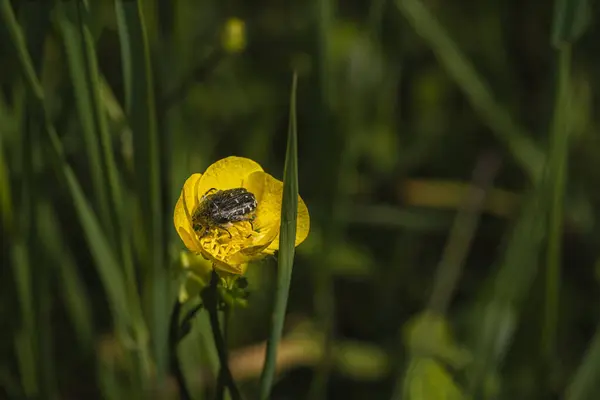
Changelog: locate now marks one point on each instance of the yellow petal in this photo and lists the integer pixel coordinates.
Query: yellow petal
(269, 193)
(302, 228)
(180, 217)
(233, 269)
(230, 266)
(227, 173)
(186, 238)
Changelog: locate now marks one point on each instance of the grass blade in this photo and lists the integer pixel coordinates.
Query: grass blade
(36, 22)
(83, 71)
(108, 268)
(462, 234)
(571, 18)
(71, 285)
(289, 213)
(518, 141)
(326, 17)
(496, 326)
(30, 344)
(125, 310)
(124, 314)
(25, 345)
(585, 384)
(557, 169)
(18, 39)
(140, 108)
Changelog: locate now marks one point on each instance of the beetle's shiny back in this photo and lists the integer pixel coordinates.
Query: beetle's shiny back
(224, 207)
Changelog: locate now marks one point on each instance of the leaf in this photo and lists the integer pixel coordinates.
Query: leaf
(72, 288)
(571, 19)
(287, 236)
(585, 384)
(83, 70)
(140, 109)
(527, 154)
(361, 361)
(426, 379)
(428, 334)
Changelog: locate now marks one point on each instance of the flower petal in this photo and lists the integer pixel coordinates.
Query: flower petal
(269, 194)
(302, 228)
(186, 238)
(180, 218)
(227, 173)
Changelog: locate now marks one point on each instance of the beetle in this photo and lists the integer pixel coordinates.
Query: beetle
(221, 208)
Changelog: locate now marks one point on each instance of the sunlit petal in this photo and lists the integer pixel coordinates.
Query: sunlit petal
(269, 194)
(227, 173)
(229, 248)
(180, 216)
(302, 228)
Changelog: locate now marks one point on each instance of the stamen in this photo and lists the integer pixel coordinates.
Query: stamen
(218, 242)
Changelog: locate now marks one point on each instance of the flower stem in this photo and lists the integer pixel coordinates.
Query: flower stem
(221, 383)
(173, 342)
(210, 300)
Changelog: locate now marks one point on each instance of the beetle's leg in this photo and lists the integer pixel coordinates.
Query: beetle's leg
(207, 193)
(203, 231)
(226, 230)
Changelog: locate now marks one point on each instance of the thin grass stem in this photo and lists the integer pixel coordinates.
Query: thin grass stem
(210, 298)
(174, 336)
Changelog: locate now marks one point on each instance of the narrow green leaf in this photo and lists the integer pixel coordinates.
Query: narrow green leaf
(73, 20)
(498, 319)
(557, 169)
(125, 310)
(126, 315)
(289, 213)
(571, 18)
(140, 109)
(6, 206)
(518, 141)
(83, 72)
(25, 345)
(462, 234)
(35, 20)
(27, 340)
(427, 379)
(71, 286)
(585, 384)
(108, 267)
(18, 40)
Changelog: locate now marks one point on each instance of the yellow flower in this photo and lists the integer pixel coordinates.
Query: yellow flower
(232, 246)
(234, 35)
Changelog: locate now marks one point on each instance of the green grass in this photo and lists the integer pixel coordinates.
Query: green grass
(448, 157)
(287, 238)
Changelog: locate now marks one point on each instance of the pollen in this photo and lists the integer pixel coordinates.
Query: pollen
(218, 242)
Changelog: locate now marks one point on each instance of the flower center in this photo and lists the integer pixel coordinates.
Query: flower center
(222, 242)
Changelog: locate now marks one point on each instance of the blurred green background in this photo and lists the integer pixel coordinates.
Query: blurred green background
(446, 154)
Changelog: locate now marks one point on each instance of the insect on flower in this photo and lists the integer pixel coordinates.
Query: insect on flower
(235, 195)
(222, 208)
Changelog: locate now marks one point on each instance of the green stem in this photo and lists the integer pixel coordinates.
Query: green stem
(557, 170)
(462, 233)
(221, 383)
(210, 299)
(173, 342)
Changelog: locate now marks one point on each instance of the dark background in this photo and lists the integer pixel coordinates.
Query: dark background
(395, 118)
